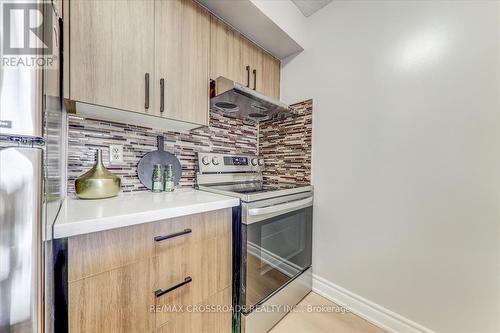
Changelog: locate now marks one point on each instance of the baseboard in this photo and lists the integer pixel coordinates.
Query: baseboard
(372, 312)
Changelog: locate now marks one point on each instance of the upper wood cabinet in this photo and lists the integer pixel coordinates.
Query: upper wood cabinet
(182, 51)
(111, 53)
(251, 62)
(140, 55)
(239, 59)
(269, 82)
(156, 57)
(226, 53)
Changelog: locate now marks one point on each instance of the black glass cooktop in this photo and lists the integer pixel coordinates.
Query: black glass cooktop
(255, 191)
(256, 187)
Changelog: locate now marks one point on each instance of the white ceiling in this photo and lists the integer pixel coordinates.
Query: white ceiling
(309, 7)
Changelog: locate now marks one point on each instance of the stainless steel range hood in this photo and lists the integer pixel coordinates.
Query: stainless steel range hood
(237, 101)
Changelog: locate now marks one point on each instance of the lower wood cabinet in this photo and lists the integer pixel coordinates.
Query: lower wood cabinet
(124, 280)
(115, 301)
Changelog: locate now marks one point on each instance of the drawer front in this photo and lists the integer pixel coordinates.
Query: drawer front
(193, 269)
(191, 229)
(215, 319)
(99, 252)
(192, 266)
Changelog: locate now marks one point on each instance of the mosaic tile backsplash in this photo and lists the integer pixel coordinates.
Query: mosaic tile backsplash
(224, 135)
(286, 146)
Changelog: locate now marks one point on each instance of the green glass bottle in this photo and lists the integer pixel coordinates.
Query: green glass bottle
(169, 179)
(157, 185)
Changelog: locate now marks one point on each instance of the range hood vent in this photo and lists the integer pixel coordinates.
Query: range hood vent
(234, 100)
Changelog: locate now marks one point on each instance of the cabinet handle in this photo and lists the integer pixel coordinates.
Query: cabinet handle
(162, 95)
(161, 292)
(248, 76)
(175, 234)
(254, 79)
(146, 87)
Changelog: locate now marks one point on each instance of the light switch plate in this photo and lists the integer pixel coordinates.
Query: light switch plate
(115, 154)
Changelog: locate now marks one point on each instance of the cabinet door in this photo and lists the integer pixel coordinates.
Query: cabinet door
(225, 52)
(119, 300)
(264, 69)
(182, 50)
(269, 80)
(230, 55)
(251, 56)
(112, 50)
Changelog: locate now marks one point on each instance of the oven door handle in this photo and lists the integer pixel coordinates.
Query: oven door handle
(286, 207)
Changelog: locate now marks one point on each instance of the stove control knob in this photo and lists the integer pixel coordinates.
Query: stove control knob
(261, 161)
(215, 160)
(205, 160)
(254, 161)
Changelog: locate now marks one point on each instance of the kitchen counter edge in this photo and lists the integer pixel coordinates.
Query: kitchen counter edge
(79, 217)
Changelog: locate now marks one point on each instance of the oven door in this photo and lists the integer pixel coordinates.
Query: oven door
(277, 245)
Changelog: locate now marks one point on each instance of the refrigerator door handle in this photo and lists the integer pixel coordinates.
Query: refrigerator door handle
(21, 256)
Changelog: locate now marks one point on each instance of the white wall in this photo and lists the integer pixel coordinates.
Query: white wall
(406, 152)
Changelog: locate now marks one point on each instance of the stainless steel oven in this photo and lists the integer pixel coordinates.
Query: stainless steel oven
(277, 245)
(272, 238)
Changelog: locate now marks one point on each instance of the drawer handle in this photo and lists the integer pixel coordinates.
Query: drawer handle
(175, 234)
(162, 95)
(254, 79)
(160, 292)
(146, 87)
(248, 76)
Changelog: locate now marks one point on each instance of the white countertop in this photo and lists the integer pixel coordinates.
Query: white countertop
(79, 217)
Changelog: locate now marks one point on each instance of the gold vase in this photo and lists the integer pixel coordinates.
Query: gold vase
(98, 182)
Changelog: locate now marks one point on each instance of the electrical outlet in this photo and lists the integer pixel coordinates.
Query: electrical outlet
(115, 154)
